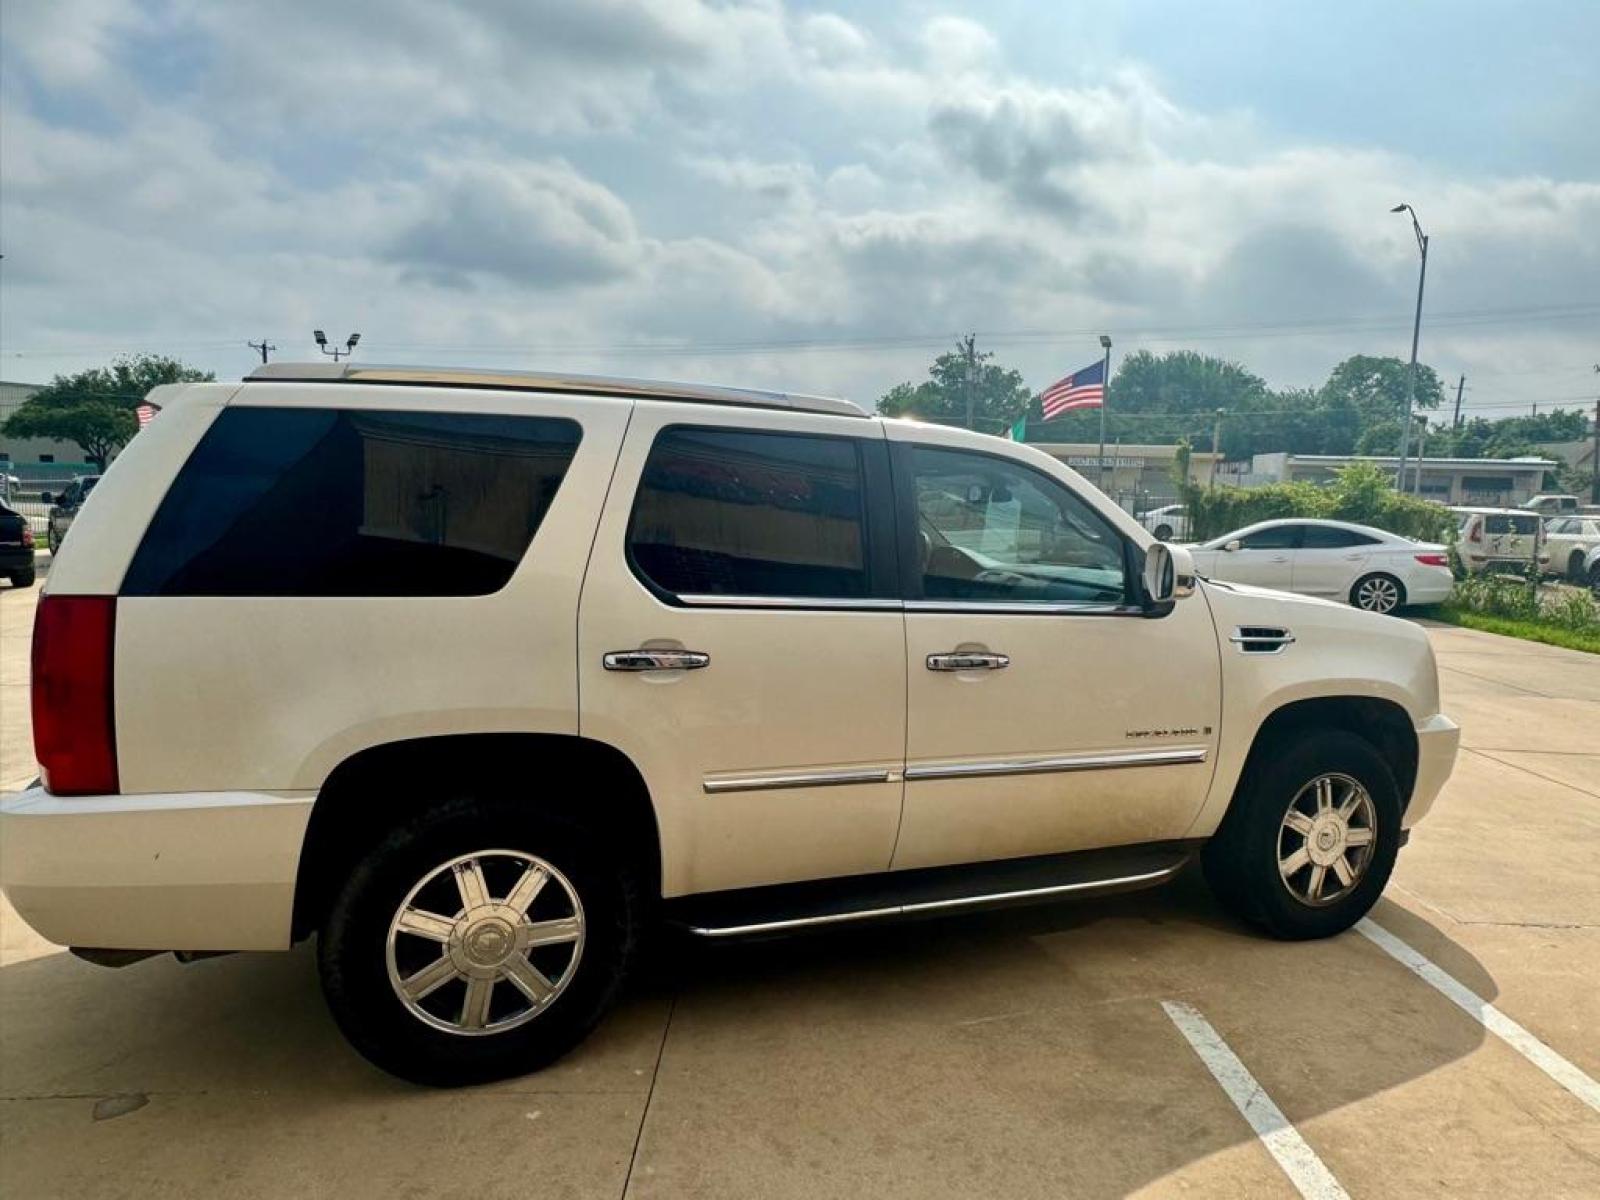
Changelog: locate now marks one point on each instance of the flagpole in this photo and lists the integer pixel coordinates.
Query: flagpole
(1105, 394)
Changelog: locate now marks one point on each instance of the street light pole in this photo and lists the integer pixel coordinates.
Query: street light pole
(1416, 333)
(1105, 395)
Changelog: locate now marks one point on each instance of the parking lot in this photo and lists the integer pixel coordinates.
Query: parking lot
(1139, 1045)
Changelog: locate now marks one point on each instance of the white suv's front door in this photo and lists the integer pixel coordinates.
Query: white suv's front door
(1042, 716)
(740, 639)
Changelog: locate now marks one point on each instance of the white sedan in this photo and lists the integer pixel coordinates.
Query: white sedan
(1366, 567)
(1167, 522)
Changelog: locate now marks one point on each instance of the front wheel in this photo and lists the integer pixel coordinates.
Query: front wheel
(1310, 839)
(478, 941)
(1378, 593)
(1163, 533)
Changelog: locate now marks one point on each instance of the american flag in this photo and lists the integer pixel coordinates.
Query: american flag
(146, 413)
(1081, 389)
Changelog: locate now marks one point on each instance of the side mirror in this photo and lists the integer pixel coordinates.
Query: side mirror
(1236, 544)
(46, 498)
(1168, 573)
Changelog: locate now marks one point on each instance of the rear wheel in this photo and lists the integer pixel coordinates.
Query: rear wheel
(478, 941)
(1378, 593)
(1310, 840)
(23, 579)
(1163, 533)
(1575, 567)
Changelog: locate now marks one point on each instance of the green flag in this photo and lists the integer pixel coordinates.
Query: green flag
(1019, 431)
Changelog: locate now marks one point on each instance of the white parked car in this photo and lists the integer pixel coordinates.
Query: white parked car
(1567, 542)
(569, 655)
(1169, 523)
(1363, 566)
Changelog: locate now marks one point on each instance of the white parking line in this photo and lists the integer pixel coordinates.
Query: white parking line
(1298, 1160)
(1491, 1018)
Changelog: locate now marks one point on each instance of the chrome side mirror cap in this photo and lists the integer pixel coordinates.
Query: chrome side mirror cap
(1168, 573)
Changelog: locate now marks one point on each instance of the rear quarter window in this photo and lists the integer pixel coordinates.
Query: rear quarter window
(337, 502)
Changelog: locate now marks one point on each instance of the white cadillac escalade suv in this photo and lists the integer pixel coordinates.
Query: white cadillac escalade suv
(475, 676)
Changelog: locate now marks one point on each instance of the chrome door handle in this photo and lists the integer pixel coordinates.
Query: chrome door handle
(655, 660)
(968, 660)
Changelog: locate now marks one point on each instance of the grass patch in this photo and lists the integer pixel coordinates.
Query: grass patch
(1528, 630)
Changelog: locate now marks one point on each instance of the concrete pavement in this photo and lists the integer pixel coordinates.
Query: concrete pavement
(1018, 1054)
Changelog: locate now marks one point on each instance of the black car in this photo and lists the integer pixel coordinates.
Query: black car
(16, 546)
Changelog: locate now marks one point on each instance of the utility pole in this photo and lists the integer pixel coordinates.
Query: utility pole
(1105, 399)
(1416, 333)
(1594, 463)
(261, 348)
(1461, 386)
(969, 349)
(1216, 445)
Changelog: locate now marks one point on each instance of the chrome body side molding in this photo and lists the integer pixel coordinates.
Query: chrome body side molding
(797, 779)
(1176, 756)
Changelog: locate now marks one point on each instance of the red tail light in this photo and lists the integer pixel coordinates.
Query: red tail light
(74, 722)
(27, 536)
(1433, 560)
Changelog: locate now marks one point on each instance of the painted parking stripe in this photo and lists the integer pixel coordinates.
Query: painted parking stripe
(1299, 1161)
(1491, 1018)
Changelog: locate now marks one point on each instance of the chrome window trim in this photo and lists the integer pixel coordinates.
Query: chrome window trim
(1022, 607)
(865, 603)
(797, 779)
(954, 902)
(1176, 756)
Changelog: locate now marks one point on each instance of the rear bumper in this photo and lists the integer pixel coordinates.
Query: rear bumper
(1430, 587)
(15, 558)
(158, 871)
(1438, 739)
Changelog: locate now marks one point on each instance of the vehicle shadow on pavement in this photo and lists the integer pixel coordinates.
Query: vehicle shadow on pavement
(1007, 1052)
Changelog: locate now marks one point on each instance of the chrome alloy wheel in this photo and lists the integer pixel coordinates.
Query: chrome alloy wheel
(446, 968)
(1378, 594)
(1326, 840)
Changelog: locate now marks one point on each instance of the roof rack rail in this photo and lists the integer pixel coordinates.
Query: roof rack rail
(541, 381)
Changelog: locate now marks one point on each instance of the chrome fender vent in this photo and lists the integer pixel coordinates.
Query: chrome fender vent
(1262, 639)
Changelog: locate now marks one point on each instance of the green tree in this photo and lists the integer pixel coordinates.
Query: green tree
(999, 395)
(1376, 387)
(95, 408)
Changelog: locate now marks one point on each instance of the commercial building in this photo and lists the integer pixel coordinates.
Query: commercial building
(1137, 475)
(1485, 481)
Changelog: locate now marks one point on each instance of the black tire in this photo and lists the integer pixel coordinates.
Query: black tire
(1241, 860)
(1594, 579)
(1163, 533)
(1575, 567)
(51, 541)
(23, 579)
(1381, 583)
(352, 952)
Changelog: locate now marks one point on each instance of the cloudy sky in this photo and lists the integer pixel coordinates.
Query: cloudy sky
(813, 196)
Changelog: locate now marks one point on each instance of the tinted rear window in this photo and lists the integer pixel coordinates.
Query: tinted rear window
(735, 513)
(331, 502)
(1511, 523)
(1329, 537)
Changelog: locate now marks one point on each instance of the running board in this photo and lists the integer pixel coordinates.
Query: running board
(932, 891)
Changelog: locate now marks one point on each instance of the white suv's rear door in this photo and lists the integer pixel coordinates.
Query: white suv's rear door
(741, 641)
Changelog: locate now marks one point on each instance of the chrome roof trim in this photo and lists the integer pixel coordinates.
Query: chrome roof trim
(544, 381)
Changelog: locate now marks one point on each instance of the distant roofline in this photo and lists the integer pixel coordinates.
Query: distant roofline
(543, 381)
(1395, 458)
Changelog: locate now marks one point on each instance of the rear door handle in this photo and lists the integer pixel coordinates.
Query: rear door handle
(968, 660)
(655, 660)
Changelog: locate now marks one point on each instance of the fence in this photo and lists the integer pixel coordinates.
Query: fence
(23, 485)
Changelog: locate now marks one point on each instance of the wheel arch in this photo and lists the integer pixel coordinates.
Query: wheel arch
(1383, 723)
(375, 788)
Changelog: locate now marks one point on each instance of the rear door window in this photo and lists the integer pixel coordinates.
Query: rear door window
(334, 502)
(1327, 537)
(734, 512)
